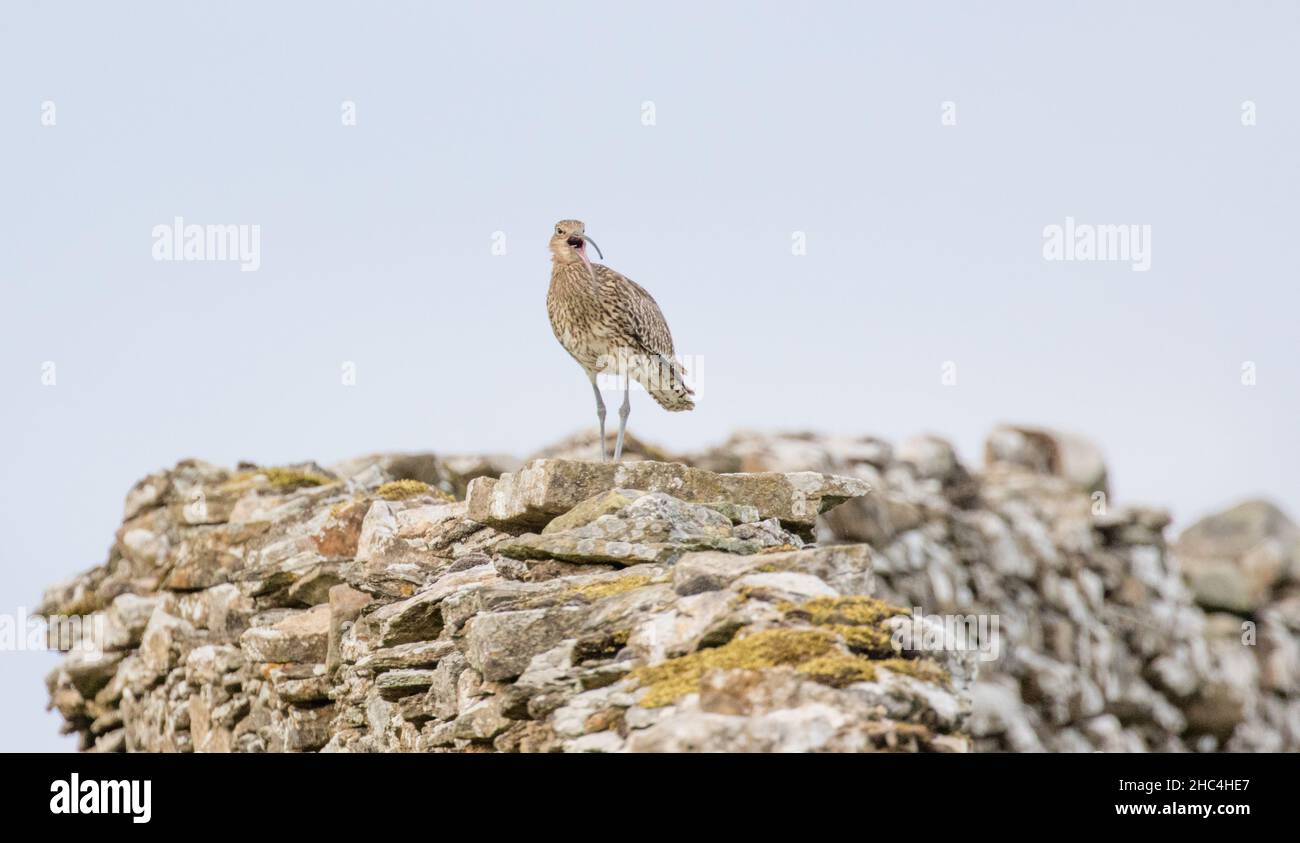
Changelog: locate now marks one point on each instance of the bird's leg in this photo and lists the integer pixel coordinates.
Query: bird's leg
(623, 413)
(600, 414)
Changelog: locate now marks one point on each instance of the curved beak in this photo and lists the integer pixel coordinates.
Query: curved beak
(593, 245)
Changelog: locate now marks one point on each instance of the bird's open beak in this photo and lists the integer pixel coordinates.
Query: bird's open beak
(593, 245)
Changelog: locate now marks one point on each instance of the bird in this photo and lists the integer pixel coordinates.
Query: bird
(610, 324)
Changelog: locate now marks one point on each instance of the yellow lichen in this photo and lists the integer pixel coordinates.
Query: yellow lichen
(673, 679)
(289, 478)
(400, 490)
(341, 507)
(854, 610)
(872, 640)
(849, 640)
(861, 622)
(842, 669)
(594, 591)
(839, 669)
(923, 669)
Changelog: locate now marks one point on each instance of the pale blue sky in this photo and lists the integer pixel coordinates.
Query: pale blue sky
(924, 241)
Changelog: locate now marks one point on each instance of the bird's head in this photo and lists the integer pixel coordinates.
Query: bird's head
(569, 242)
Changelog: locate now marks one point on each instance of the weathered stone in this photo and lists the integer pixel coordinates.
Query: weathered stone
(414, 654)
(784, 585)
(1085, 633)
(307, 729)
(606, 503)
(395, 684)
(301, 637)
(651, 528)
(126, 619)
(845, 568)
(206, 665)
(418, 618)
(1048, 452)
(501, 644)
(545, 489)
(313, 588)
(299, 687)
(1234, 560)
(345, 605)
(482, 721)
(165, 641)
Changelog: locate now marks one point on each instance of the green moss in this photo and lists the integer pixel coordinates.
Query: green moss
(400, 490)
(675, 678)
(594, 591)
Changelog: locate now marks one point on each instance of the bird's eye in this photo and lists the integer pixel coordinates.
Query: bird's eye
(559, 230)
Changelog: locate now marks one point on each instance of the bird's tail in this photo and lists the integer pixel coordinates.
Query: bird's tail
(665, 380)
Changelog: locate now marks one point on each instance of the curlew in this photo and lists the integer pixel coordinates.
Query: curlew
(609, 323)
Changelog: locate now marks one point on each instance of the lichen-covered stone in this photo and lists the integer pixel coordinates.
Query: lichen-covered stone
(632, 530)
(545, 489)
(656, 606)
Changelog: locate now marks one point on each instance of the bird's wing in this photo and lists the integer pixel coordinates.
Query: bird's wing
(645, 321)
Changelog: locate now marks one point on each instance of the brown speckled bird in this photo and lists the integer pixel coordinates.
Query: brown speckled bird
(609, 323)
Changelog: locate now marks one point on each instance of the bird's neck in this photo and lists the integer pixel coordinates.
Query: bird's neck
(572, 275)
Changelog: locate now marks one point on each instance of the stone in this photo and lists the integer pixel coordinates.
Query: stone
(605, 503)
(394, 684)
(345, 606)
(126, 619)
(418, 618)
(313, 589)
(165, 640)
(1234, 560)
(482, 721)
(546, 489)
(301, 637)
(1064, 455)
(1046, 617)
(845, 568)
(784, 585)
(653, 527)
(501, 644)
(932, 458)
(300, 687)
